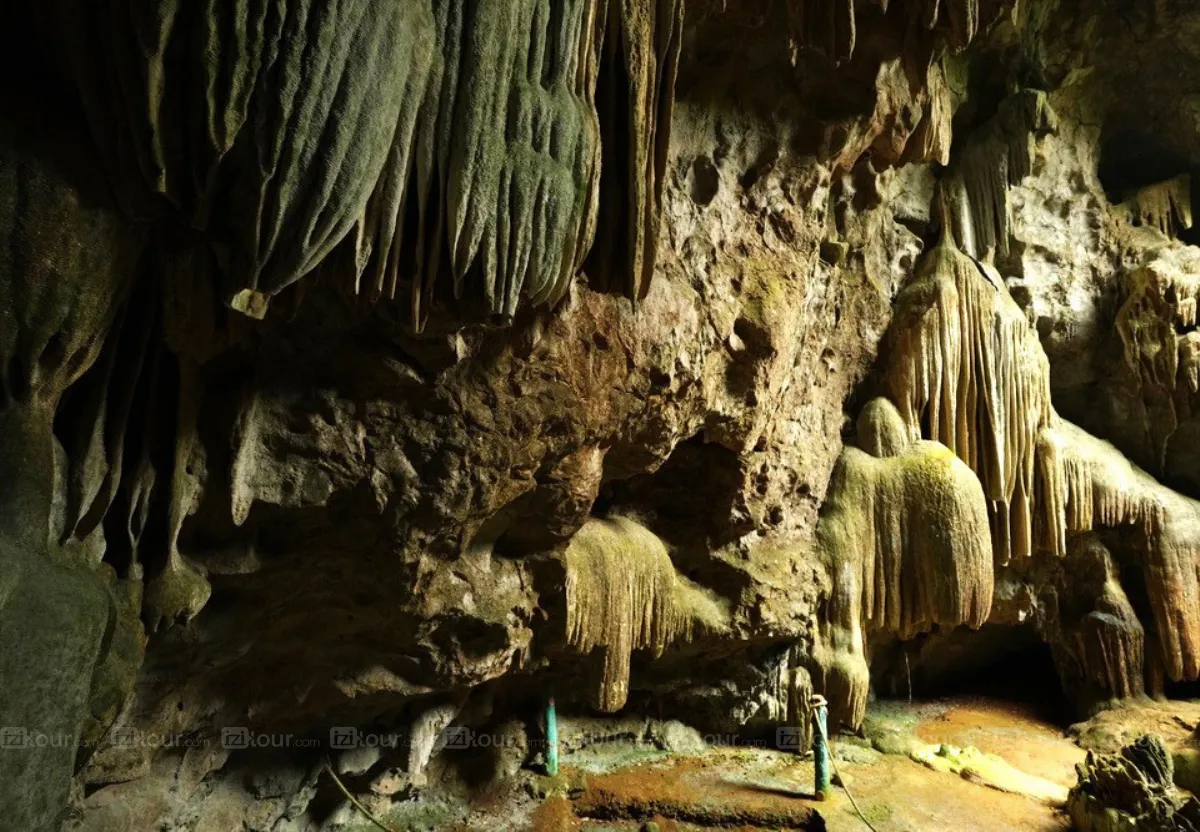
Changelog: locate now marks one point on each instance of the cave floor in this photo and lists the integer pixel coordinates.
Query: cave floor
(893, 791)
(623, 786)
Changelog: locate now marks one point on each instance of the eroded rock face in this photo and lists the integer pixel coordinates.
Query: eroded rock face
(1131, 790)
(333, 346)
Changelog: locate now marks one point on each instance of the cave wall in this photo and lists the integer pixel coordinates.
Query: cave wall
(390, 369)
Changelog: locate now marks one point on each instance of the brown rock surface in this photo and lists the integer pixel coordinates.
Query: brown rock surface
(326, 329)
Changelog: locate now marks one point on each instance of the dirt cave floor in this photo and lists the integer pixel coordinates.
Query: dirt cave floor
(631, 786)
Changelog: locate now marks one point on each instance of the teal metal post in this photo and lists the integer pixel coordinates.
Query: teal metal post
(820, 721)
(551, 738)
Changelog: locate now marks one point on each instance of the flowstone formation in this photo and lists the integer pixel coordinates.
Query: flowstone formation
(396, 365)
(623, 594)
(904, 533)
(965, 367)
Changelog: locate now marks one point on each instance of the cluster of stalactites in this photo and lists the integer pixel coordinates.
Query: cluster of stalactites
(454, 143)
(1154, 322)
(1166, 206)
(830, 27)
(622, 595)
(500, 152)
(1085, 483)
(998, 156)
(904, 533)
(966, 369)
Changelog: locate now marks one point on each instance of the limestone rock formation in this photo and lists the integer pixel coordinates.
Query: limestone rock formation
(395, 365)
(904, 534)
(1131, 790)
(623, 594)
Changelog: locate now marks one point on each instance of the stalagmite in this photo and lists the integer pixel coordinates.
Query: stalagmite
(1096, 639)
(904, 532)
(1133, 790)
(623, 594)
(1110, 644)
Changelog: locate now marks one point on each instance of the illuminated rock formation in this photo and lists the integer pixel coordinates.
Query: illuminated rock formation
(904, 533)
(623, 594)
(329, 329)
(966, 368)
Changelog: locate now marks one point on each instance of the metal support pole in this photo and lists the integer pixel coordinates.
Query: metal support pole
(551, 738)
(820, 723)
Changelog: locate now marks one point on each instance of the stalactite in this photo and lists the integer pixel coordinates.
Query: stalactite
(904, 533)
(635, 99)
(623, 594)
(181, 589)
(456, 145)
(516, 151)
(1102, 488)
(1160, 302)
(1166, 206)
(999, 156)
(829, 27)
(930, 142)
(227, 109)
(965, 369)
(101, 405)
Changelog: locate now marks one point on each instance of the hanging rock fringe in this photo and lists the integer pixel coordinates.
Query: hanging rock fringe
(829, 27)
(904, 530)
(623, 595)
(1166, 206)
(966, 370)
(453, 142)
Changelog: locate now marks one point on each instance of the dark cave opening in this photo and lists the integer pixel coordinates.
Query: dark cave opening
(1005, 663)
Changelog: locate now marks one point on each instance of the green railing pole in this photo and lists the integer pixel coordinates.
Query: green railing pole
(551, 738)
